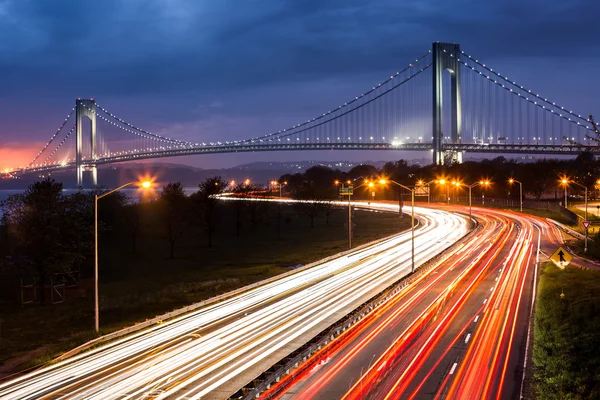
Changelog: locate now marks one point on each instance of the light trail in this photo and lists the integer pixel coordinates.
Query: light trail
(218, 348)
(460, 333)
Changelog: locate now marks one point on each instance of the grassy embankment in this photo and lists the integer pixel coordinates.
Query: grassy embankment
(566, 351)
(135, 287)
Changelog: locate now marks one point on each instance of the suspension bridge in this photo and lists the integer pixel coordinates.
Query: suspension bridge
(446, 102)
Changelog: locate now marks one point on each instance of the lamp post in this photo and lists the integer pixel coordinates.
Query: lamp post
(412, 191)
(511, 181)
(480, 183)
(349, 182)
(586, 211)
(145, 185)
(565, 183)
(275, 183)
(456, 185)
(446, 183)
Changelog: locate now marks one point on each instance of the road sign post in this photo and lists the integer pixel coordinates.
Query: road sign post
(348, 191)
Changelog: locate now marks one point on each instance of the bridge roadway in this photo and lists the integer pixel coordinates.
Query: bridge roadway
(494, 148)
(459, 332)
(212, 352)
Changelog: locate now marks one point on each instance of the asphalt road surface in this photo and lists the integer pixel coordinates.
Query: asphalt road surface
(460, 332)
(212, 352)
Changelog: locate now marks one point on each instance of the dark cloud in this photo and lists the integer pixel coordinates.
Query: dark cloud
(164, 61)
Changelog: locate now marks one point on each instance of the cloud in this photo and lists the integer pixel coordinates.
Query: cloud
(164, 63)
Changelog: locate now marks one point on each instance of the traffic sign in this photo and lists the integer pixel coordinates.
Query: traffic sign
(586, 224)
(346, 191)
(421, 190)
(561, 257)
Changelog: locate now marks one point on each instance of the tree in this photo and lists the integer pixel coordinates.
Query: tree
(49, 232)
(174, 208)
(206, 200)
(328, 208)
(311, 208)
(133, 223)
(365, 171)
(240, 191)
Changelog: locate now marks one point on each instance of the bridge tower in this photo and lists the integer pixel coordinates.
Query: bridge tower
(445, 58)
(85, 108)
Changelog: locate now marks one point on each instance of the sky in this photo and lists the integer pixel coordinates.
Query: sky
(204, 70)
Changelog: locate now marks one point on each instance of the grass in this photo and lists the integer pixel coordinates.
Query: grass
(566, 351)
(135, 287)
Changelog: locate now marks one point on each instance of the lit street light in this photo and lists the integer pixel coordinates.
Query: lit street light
(511, 181)
(145, 185)
(446, 183)
(484, 183)
(412, 192)
(565, 182)
(275, 183)
(348, 193)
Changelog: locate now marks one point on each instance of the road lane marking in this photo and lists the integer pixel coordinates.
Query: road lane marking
(453, 368)
(467, 338)
(476, 318)
(484, 301)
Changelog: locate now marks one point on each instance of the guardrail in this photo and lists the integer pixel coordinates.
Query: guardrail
(192, 307)
(568, 230)
(263, 382)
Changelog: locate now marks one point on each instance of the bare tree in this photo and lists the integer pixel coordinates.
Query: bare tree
(173, 206)
(328, 208)
(206, 200)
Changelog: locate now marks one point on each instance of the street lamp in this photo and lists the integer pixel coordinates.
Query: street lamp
(511, 181)
(457, 185)
(586, 208)
(348, 193)
(145, 185)
(565, 182)
(412, 192)
(275, 183)
(371, 186)
(484, 183)
(446, 183)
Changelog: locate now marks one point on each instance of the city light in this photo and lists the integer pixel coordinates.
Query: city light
(146, 184)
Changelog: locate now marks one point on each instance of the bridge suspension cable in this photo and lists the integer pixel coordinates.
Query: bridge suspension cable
(134, 128)
(52, 138)
(62, 142)
(294, 128)
(529, 92)
(379, 95)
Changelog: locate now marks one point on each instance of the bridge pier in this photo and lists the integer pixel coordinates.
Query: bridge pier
(85, 108)
(445, 58)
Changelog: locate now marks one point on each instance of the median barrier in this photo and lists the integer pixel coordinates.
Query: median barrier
(293, 363)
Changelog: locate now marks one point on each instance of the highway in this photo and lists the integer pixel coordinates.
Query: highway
(212, 352)
(460, 332)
